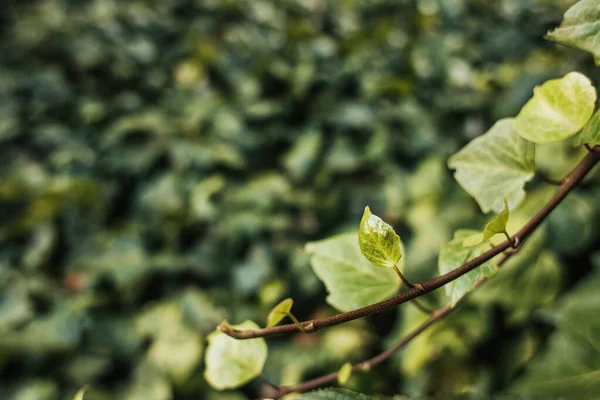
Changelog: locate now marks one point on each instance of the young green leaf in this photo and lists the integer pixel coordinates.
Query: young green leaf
(344, 373)
(350, 279)
(591, 131)
(453, 255)
(279, 312)
(494, 166)
(378, 241)
(495, 226)
(558, 109)
(580, 28)
(231, 363)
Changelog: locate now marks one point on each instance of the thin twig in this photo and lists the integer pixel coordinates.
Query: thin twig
(569, 183)
(370, 363)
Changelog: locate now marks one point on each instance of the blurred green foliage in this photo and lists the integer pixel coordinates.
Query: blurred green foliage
(164, 162)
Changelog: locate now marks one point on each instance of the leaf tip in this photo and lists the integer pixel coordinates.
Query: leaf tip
(279, 312)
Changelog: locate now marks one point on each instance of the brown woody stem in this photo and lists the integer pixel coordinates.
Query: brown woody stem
(569, 183)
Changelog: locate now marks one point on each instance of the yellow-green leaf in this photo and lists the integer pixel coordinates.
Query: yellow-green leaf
(580, 28)
(591, 131)
(494, 166)
(231, 363)
(378, 241)
(344, 373)
(279, 312)
(453, 255)
(495, 226)
(559, 109)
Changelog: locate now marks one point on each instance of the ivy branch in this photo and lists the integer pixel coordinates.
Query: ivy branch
(507, 249)
(568, 184)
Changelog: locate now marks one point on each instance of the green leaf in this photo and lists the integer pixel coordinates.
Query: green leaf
(231, 363)
(559, 109)
(453, 255)
(580, 28)
(378, 241)
(495, 226)
(148, 383)
(351, 280)
(495, 166)
(175, 350)
(591, 131)
(569, 366)
(177, 354)
(344, 373)
(279, 312)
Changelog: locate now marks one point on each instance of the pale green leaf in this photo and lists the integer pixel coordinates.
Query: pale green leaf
(176, 354)
(279, 312)
(495, 166)
(175, 350)
(148, 383)
(378, 241)
(453, 255)
(473, 240)
(231, 363)
(591, 131)
(351, 280)
(495, 226)
(558, 109)
(580, 28)
(344, 373)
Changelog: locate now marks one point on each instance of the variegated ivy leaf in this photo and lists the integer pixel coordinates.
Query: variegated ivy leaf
(580, 28)
(231, 363)
(344, 373)
(279, 312)
(494, 166)
(378, 241)
(591, 131)
(558, 109)
(453, 255)
(495, 226)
